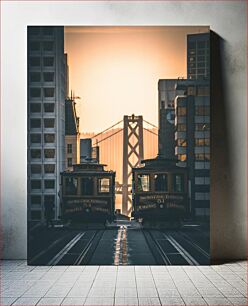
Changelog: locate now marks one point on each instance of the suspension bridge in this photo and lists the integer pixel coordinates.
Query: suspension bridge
(123, 146)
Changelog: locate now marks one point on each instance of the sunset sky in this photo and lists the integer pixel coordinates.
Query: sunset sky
(115, 70)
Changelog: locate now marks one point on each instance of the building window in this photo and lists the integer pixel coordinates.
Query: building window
(36, 200)
(202, 110)
(202, 196)
(203, 91)
(35, 92)
(178, 183)
(161, 182)
(35, 153)
(48, 76)
(49, 168)
(48, 92)
(191, 90)
(199, 142)
(49, 153)
(49, 199)
(34, 46)
(202, 156)
(143, 182)
(35, 215)
(182, 157)
(49, 184)
(48, 61)
(69, 162)
(181, 111)
(203, 180)
(48, 107)
(35, 107)
(104, 185)
(34, 61)
(35, 123)
(49, 123)
(87, 186)
(49, 138)
(181, 127)
(48, 45)
(71, 185)
(69, 148)
(202, 165)
(35, 184)
(35, 169)
(181, 142)
(35, 138)
(202, 127)
(34, 77)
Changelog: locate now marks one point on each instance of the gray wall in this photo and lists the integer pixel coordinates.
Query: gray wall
(226, 18)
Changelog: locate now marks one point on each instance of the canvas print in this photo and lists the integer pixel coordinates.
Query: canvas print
(118, 145)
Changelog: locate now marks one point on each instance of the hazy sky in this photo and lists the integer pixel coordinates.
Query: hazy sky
(115, 70)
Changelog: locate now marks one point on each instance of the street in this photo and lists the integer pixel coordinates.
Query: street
(125, 243)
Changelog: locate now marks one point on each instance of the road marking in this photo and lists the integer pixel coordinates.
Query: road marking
(65, 250)
(120, 257)
(45, 250)
(196, 246)
(181, 250)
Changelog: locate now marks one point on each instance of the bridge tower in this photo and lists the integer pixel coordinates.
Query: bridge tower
(133, 153)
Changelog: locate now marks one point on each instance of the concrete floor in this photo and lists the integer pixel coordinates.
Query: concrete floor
(123, 285)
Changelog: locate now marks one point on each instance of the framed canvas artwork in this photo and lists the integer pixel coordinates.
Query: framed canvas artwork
(118, 145)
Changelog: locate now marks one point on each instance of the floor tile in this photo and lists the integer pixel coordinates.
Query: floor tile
(122, 301)
(147, 292)
(165, 292)
(102, 292)
(149, 301)
(73, 301)
(218, 301)
(26, 301)
(126, 292)
(166, 301)
(239, 301)
(99, 301)
(7, 301)
(50, 301)
(199, 301)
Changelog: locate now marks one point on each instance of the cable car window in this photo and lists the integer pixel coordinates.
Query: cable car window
(143, 182)
(104, 185)
(178, 183)
(87, 186)
(71, 184)
(161, 182)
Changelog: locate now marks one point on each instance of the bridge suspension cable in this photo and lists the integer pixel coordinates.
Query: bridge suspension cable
(112, 126)
(109, 136)
(150, 123)
(150, 131)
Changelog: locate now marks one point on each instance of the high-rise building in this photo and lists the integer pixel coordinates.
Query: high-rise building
(46, 118)
(198, 56)
(192, 124)
(184, 121)
(72, 135)
(166, 96)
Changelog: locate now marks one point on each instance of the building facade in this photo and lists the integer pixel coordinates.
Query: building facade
(166, 127)
(184, 121)
(192, 137)
(198, 56)
(46, 119)
(72, 135)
